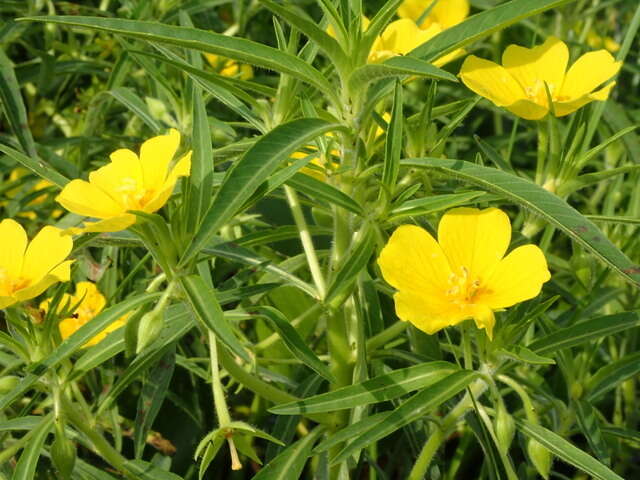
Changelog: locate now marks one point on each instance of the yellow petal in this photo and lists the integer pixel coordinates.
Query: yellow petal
(491, 81)
(484, 318)
(533, 67)
(120, 178)
(449, 57)
(82, 198)
(518, 277)
(113, 224)
(413, 261)
(6, 302)
(528, 110)
(402, 36)
(155, 156)
(474, 240)
(48, 249)
(565, 108)
(426, 312)
(587, 73)
(14, 243)
(60, 273)
(90, 298)
(181, 169)
(445, 12)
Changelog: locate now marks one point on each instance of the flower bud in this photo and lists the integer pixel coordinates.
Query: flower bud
(63, 454)
(505, 427)
(540, 457)
(8, 383)
(149, 328)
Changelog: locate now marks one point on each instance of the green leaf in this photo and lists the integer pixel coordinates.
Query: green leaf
(154, 391)
(379, 389)
(585, 331)
(323, 191)
(36, 165)
(239, 49)
(419, 405)
(205, 307)
(393, 143)
(260, 161)
(535, 198)
(432, 204)
(356, 258)
(201, 176)
(523, 354)
(74, 343)
(354, 430)
(566, 451)
(294, 342)
(148, 471)
(396, 67)
(289, 464)
(13, 106)
(28, 461)
(612, 375)
(590, 426)
(133, 102)
(482, 25)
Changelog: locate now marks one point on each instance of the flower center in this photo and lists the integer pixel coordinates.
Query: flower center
(133, 196)
(538, 93)
(10, 285)
(462, 287)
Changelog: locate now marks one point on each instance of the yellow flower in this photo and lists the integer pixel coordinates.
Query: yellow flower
(463, 275)
(519, 84)
(89, 302)
(127, 183)
(446, 13)
(596, 41)
(228, 67)
(28, 268)
(401, 37)
(319, 167)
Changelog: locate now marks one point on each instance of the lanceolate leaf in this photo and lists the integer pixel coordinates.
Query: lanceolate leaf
(379, 389)
(323, 191)
(566, 451)
(585, 331)
(36, 165)
(294, 342)
(206, 309)
(205, 41)
(13, 106)
(26, 467)
(260, 161)
(397, 67)
(613, 374)
(421, 404)
(535, 198)
(289, 464)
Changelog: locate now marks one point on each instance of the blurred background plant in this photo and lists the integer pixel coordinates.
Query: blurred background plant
(307, 155)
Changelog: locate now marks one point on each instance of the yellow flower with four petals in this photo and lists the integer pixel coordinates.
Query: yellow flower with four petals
(465, 274)
(28, 268)
(529, 76)
(128, 182)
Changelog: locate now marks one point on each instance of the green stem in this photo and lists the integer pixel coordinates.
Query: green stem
(449, 422)
(307, 241)
(222, 410)
(100, 445)
(419, 470)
